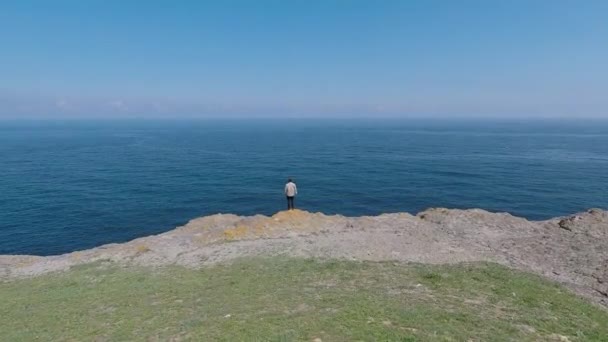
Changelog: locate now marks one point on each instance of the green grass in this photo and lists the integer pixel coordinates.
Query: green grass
(295, 299)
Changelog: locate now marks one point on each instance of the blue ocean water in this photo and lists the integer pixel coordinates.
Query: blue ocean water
(67, 186)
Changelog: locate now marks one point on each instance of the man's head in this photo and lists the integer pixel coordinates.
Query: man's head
(289, 180)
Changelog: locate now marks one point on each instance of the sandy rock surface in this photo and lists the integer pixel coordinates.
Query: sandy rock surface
(572, 250)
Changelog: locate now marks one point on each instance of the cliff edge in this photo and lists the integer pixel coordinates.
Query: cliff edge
(572, 250)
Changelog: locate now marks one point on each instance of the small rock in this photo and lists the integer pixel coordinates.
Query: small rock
(565, 224)
(527, 329)
(558, 337)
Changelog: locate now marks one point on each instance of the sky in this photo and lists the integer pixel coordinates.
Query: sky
(330, 58)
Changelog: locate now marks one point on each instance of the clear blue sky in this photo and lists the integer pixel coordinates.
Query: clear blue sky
(86, 58)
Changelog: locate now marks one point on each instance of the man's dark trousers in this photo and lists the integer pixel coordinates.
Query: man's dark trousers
(290, 202)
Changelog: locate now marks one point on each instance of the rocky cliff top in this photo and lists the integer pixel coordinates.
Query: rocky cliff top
(572, 250)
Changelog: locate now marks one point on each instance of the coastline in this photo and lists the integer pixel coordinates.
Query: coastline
(571, 250)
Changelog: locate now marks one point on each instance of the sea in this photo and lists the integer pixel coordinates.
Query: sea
(72, 185)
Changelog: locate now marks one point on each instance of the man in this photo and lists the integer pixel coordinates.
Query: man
(290, 191)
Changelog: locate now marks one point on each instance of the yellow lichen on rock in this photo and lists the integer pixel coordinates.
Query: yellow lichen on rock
(75, 256)
(235, 233)
(259, 229)
(289, 215)
(26, 262)
(141, 249)
(262, 226)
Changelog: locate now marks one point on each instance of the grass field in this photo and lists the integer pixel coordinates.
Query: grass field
(296, 300)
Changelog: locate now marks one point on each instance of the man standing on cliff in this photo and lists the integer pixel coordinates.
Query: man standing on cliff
(290, 191)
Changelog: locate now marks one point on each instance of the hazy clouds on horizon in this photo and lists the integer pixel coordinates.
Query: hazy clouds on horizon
(116, 59)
